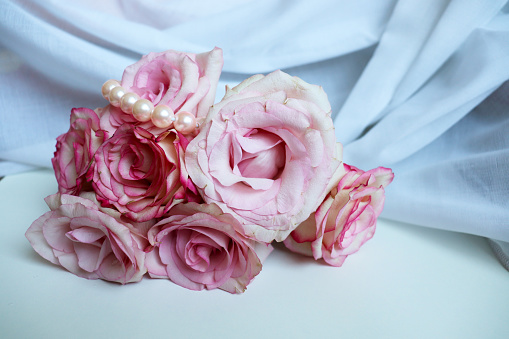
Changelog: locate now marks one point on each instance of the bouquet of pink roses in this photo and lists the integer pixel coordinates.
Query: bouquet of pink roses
(165, 182)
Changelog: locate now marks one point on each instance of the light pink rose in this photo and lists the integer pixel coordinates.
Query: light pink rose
(266, 154)
(198, 246)
(140, 175)
(89, 241)
(75, 150)
(183, 81)
(346, 219)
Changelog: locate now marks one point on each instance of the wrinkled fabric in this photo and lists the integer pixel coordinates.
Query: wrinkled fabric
(420, 87)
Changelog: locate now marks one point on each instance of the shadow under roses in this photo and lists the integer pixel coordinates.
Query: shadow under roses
(28, 254)
(292, 258)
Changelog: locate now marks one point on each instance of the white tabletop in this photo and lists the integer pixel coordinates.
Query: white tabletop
(407, 282)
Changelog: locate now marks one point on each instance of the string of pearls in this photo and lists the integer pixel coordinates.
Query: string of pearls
(143, 110)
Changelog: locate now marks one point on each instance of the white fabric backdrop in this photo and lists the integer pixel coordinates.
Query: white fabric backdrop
(417, 86)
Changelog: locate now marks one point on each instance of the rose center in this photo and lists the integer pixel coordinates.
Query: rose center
(262, 156)
(158, 79)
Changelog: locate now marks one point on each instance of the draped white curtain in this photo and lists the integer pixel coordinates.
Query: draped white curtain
(418, 86)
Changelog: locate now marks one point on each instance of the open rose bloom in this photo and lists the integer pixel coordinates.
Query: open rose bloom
(198, 246)
(198, 201)
(266, 154)
(346, 219)
(182, 81)
(89, 241)
(139, 174)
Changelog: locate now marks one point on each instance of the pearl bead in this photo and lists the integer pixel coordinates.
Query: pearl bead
(107, 87)
(127, 102)
(163, 116)
(185, 122)
(142, 109)
(116, 94)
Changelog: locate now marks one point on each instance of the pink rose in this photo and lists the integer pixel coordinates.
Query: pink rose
(75, 150)
(346, 219)
(183, 81)
(266, 154)
(199, 247)
(89, 241)
(111, 118)
(141, 175)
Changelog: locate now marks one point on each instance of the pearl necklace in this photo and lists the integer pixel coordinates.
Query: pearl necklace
(143, 110)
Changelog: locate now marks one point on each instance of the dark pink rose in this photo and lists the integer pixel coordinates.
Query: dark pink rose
(75, 150)
(183, 81)
(346, 219)
(89, 241)
(198, 246)
(139, 174)
(266, 154)
(111, 118)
